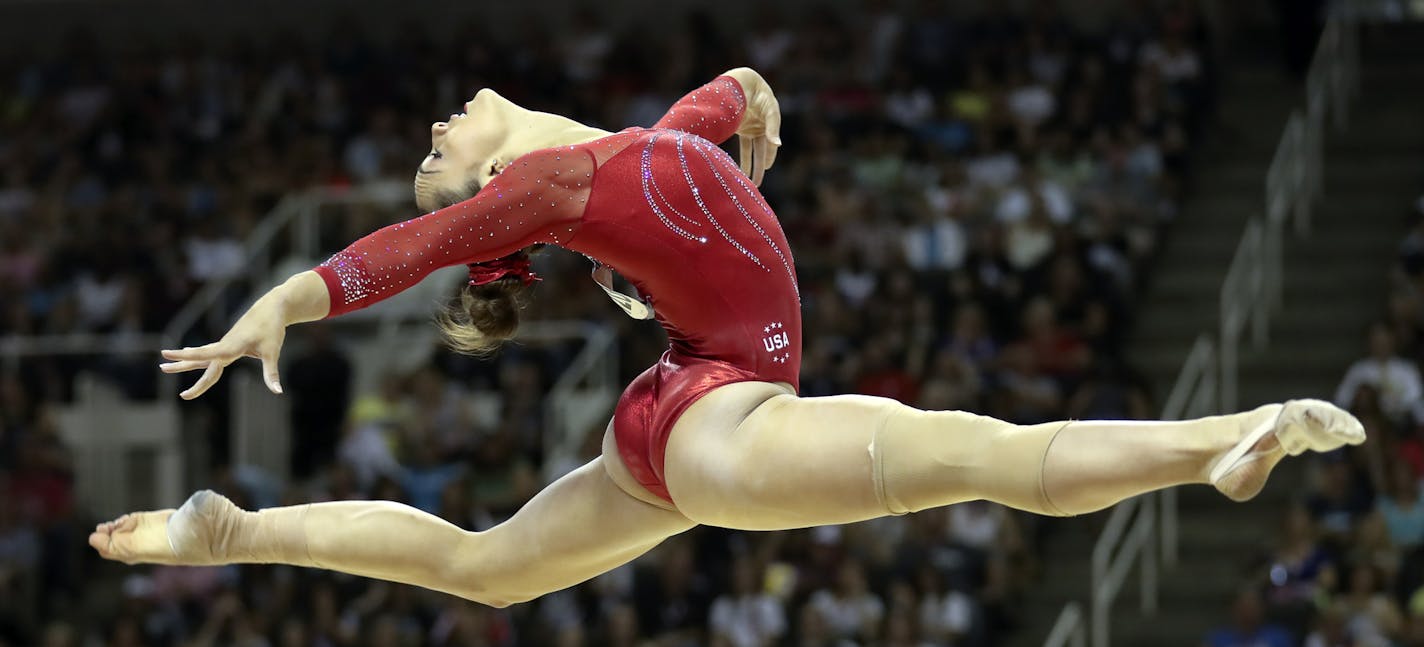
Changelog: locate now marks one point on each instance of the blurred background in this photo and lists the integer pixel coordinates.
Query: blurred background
(1124, 209)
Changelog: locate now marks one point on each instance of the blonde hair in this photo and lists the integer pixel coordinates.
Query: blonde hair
(484, 318)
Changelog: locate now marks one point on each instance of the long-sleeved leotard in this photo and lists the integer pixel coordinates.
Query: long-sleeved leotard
(667, 209)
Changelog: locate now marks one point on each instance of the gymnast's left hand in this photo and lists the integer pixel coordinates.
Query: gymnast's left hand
(760, 131)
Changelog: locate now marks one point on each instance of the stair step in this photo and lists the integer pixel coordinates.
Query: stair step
(1336, 279)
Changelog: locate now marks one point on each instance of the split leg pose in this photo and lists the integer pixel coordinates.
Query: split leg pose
(714, 433)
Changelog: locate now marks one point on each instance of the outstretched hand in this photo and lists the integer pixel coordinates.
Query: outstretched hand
(760, 131)
(258, 334)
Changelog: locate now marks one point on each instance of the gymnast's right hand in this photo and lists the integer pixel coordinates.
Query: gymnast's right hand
(258, 334)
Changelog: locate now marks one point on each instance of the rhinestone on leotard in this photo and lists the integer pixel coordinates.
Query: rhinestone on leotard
(697, 197)
(707, 151)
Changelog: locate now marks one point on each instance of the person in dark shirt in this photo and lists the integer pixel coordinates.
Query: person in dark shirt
(319, 382)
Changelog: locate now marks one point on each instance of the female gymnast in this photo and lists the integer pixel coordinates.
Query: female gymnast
(714, 433)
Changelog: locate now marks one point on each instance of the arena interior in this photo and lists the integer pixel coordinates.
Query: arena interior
(1031, 209)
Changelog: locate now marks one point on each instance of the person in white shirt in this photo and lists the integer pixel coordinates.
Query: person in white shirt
(850, 611)
(747, 616)
(1395, 379)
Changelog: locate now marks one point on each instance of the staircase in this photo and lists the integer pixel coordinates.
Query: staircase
(1335, 285)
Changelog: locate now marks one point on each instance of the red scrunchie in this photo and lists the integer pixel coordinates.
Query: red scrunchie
(490, 271)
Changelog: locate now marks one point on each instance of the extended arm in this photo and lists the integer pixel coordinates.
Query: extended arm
(539, 199)
(739, 102)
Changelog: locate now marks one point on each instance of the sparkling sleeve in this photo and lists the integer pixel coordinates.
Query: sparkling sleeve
(540, 198)
(712, 112)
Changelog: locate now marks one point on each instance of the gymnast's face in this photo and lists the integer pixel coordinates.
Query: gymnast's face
(462, 153)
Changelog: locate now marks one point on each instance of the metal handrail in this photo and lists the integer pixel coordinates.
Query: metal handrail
(15, 346)
(1068, 630)
(302, 209)
(1194, 394)
(1251, 292)
(1244, 300)
(1118, 548)
(1133, 524)
(596, 369)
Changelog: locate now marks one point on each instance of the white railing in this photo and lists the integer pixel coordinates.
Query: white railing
(1139, 524)
(1244, 300)
(1194, 394)
(1068, 630)
(296, 217)
(1251, 293)
(261, 429)
(293, 228)
(1118, 549)
(128, 456)
(582, 396)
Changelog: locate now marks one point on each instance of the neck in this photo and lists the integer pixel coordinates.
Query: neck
(539, 130)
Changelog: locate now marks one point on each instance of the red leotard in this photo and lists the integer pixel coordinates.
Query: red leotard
(664, 207)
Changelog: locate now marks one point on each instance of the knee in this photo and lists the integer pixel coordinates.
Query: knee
(499, 602)
(472, 572)
(927, 459)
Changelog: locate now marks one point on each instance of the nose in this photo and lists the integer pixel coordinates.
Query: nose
(438, 128)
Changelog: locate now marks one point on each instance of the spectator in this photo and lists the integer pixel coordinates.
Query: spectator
(946, 616)
(319, 385)
(850, 610)
(1340, 500)
(1395, 379)
(1297, 563)
(1330, 629)
(1401, 507)
(1248, 626)
(746, 616)
(1371, 617)
(913, 140)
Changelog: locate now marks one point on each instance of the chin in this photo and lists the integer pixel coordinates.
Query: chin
(423, 200)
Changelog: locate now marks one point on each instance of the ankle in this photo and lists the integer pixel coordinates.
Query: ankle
(1217, 435)
(1229, 430)
(276, 535)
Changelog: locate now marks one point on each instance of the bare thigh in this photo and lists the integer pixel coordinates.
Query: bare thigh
(754, 456)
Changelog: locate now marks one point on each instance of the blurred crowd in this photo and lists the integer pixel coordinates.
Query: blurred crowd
(972, 200)
(1347, 567)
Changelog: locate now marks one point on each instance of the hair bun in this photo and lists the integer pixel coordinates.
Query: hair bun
(486, 316)
(495, 311)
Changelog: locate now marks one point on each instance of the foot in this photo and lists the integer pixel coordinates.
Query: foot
(1273, 431)
(188, 536)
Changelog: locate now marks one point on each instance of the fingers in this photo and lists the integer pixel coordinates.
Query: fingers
(765, 157)
(99, 541)
(183, 366)
(210, 377)
(758, 160)
(746, 157)
(213, 351)
(768, 156)
(269, 373)
(773, 126)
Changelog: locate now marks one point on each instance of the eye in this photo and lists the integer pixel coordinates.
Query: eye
(436, 155)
